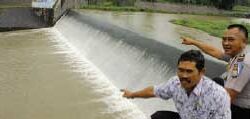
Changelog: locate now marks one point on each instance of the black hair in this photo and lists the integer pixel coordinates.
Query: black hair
(193, 56)
(241, 28)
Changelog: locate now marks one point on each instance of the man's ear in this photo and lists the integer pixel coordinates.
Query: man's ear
(203, 71)
(244, 44)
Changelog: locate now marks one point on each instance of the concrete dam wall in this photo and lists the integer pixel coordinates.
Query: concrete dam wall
(19, 18)
(20, 14)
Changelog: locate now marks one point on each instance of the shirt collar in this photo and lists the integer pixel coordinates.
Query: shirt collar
(198, 87)
(244, 51)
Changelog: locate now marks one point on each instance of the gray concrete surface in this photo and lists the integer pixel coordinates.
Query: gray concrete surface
(18, 18)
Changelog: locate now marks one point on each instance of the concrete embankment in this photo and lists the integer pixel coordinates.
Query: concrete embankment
(19, 18)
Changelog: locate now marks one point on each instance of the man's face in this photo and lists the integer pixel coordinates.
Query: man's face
(233, 42)
(188, 74)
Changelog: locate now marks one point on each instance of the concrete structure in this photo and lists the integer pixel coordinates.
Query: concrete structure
(19, 18)
(43, 3)
(39, 14)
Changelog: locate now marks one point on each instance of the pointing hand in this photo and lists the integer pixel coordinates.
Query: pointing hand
(187, 41)
(127, 94)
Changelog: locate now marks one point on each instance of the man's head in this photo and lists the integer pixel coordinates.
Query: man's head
(234, 39)
(190, 69)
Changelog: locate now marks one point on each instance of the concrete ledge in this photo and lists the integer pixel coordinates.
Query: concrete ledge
(19, 18)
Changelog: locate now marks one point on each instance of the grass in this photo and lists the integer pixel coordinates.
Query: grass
(212, 27)
(239, 8)
(111, 8)
(238, 11)
(133, 9)
(11, 5)
(122, 9)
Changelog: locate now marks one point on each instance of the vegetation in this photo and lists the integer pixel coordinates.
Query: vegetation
(128, 5)
(213, 27)
(235, 5)
(234, 13)
(121, 9)
(221, 4)
(11, 5)
(240, 8)
(239, 11)
(111, 2)
(112, 8)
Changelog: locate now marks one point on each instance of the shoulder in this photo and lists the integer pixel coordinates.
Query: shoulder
(172, 82)
(174, 79)
(224, 57)
(214, 90)
(215, 95)
(167, 89)
(207, 82)
(247, 59)
(243, 62)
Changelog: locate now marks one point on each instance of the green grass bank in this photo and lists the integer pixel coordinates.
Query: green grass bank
(213, 27)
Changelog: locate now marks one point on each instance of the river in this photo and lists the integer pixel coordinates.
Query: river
(77, 68)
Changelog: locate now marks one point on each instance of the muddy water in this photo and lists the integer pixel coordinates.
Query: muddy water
(75, 70)
(41, 77)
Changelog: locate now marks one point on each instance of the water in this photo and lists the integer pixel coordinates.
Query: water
(125, 65)
(44, 77)
(76, 69)
(128, 56)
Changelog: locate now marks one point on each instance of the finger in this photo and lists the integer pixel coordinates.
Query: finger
(184, 38)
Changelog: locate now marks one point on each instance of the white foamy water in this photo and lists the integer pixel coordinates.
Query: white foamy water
(111, 96)
(44, 77)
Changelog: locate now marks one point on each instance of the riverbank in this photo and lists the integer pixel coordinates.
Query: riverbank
(113, 8)
(14, 5)
(173, 8)
(212, 27)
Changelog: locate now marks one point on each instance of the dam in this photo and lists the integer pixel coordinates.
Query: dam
(76, 68)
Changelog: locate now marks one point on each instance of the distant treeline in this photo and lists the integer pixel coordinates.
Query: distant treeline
(221, 4)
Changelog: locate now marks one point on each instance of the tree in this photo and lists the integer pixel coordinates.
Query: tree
(226, 4)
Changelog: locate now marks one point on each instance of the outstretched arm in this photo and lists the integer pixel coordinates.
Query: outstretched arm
(145, 93)
(208, 49)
